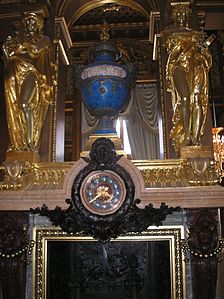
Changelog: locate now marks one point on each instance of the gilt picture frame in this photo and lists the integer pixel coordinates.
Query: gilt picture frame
(166, 237)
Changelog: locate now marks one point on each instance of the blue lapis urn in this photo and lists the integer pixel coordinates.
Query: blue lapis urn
(105, 85)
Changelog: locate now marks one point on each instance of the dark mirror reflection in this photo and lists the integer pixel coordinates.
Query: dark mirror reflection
(121, 270)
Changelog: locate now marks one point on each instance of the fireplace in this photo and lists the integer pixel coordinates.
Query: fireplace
(145, 265)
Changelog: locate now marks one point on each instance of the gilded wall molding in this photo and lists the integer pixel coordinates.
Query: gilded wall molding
(155, 173)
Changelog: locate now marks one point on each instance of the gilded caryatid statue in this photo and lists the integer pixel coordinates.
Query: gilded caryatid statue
(188, 65)
(187, 70)
(29, 83)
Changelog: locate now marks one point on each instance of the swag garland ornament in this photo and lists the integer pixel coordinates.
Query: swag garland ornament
(102, 203)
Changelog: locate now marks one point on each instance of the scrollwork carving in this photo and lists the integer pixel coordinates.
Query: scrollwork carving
(12, 235)
(203, 234)
(15, 248)
(204, 250)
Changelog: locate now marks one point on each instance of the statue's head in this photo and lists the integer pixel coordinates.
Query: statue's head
(33, 23)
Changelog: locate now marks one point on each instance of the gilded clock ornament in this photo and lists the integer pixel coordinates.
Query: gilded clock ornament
(103, 203)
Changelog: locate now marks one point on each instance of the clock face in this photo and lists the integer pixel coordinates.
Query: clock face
(102, 192)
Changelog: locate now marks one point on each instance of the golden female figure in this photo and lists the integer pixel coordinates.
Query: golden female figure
(29, 77)
(187, 79)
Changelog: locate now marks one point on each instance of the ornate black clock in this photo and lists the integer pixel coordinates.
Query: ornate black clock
(103, 190)
(102, 203)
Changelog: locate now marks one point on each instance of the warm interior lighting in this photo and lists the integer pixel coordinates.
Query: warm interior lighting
(111, 7)
(218, 145)
(121, 129)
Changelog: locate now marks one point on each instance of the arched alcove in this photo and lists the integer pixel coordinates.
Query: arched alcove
(130, 24)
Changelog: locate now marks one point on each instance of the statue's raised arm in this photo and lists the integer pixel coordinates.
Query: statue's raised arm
(29, 83)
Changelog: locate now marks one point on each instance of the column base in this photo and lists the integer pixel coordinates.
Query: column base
(113, 137)
(196, 151)
(33, 157)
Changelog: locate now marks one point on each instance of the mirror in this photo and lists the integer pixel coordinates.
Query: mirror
(146, 265)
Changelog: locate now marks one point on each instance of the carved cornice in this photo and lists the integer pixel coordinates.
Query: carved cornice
(13, 10)
(91, 27)
(61, 23)
(177, 172)
(37, 176)
(216, 4)
(155, 173)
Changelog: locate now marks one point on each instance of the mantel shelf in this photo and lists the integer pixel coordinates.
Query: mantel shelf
(185, 197)
(51, 183)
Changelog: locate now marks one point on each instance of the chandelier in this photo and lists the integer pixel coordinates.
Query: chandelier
(218, 146)
(111, 7)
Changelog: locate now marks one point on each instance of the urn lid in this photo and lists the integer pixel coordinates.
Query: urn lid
(105, 51)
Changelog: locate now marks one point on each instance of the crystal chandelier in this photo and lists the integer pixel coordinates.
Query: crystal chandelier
(218, 146)
(111, 7)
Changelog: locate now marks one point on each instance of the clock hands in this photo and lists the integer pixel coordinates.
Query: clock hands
(102, 191)
(95, 198)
